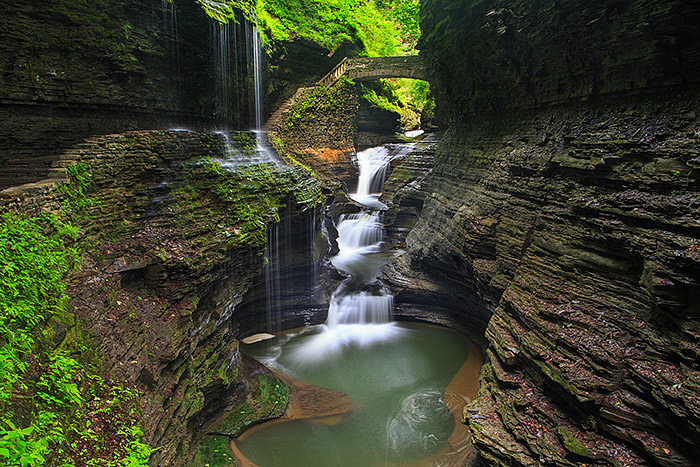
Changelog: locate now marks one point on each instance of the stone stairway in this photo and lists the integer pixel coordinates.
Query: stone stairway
(300, 94)
(358, 69)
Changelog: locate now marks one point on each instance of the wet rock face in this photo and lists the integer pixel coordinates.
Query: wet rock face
(579, 227)
(564, 199)
(160, 287)
(71, 70)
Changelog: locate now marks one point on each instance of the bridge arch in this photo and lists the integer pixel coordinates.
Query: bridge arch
(370, 68)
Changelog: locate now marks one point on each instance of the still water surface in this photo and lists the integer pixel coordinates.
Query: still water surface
(406, 388)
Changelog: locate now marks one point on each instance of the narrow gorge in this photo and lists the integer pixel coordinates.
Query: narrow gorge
(464, 230)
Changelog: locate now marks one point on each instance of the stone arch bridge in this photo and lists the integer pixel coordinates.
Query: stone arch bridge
(357, 69)
(369, 68)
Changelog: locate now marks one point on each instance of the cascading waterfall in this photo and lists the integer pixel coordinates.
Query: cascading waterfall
(373, 164)
(361, 308)
(394, 376)
(360, 254)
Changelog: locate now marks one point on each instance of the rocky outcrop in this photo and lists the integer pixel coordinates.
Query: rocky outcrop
(584, 245)
(562, 209)
(318, 131)
(322, 128)
(173, 245)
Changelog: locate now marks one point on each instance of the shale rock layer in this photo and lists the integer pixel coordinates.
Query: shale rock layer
(579, 226)
(173, 244)
(564, 206)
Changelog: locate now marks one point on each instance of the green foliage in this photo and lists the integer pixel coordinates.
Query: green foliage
(224, 11)
(380, 100)
(413, 92)
(33, 261)
(76, 190)
(405, 97)
(405, 14)
(332, 22)
(52, 391)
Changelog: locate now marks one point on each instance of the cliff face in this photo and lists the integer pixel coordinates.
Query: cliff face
(508, 54)
(173, 245)
(576, 225)
(75, 69)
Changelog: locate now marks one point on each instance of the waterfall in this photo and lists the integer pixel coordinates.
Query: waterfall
(361, 255)
(257, 81)
(223, 71)
(224, 40)
(361, 308)
(373, 164)
(359, 241)
(273, 287)
(262, 148)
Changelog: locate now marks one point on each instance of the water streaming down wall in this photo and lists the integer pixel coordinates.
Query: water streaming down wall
(256, 72)
(170, 35)
(224, 68)
(238, 71)
(287, 293)
(273, 280)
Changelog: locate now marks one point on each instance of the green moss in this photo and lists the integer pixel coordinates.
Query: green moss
(214, 451)
(572, 444)
(224, 11)
(267, 399)
(246, 201)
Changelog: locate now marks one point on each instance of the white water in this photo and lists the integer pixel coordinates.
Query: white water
(236, 157)
(364, 316)
(221, 39)
(264, 151)
(360, 239)
(257, 80)
(373, 166)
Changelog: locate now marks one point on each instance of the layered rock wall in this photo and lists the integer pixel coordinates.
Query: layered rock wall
(564, 200)
(172, 245)
(508, 54)
(75, 69)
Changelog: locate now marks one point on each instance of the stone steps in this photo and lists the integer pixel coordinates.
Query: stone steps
(300, 94)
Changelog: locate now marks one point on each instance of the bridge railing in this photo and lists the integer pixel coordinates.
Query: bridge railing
(334, 74)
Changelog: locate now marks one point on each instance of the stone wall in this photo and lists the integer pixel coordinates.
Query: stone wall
(564, 199)
(583, 239)
(508, 54)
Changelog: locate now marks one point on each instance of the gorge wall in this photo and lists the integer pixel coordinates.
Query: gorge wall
(71, 70)
(564, 205)
(172, 245)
